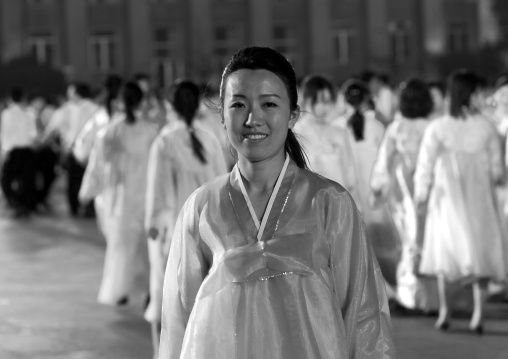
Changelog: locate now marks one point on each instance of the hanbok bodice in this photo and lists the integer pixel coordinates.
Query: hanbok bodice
(307, 286)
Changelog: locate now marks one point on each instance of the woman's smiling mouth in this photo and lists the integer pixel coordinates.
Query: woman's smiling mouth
(255, 136)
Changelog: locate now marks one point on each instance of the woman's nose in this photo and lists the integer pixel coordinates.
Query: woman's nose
(254, 119)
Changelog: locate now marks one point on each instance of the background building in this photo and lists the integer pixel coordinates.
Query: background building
(87, 39)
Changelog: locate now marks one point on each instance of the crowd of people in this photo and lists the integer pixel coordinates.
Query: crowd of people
(267, 207)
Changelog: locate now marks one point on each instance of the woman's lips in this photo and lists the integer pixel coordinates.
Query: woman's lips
(255, 136)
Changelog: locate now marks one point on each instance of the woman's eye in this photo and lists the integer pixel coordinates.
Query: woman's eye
(270, 104)
(236, 105)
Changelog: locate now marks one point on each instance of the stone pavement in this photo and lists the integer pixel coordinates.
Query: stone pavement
(50, 270)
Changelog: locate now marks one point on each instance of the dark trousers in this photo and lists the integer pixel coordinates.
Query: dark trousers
(75, 173)
(18, 179)
(46, 163)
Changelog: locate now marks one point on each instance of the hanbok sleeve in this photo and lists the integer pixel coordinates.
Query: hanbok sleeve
(359, 286)
(380, 177)
(84, 141)
(185, 271)
(495, 153)
(219, 161)
(160, 195)
(427, 157)
(93, 179)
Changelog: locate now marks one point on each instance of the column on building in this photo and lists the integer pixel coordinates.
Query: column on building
(377, 34)
(76, 40)
(139, 38)
(260, 22)
(434, 33)
(201, 40)
(319, 23)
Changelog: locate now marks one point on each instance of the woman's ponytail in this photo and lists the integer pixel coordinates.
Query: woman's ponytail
(185, 99)
(357, 124)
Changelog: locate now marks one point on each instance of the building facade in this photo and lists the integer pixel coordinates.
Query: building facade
(167, 39)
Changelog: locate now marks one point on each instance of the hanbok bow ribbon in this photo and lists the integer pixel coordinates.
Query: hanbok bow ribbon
(290, 254)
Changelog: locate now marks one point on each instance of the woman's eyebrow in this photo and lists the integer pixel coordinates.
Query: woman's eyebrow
(269, 95)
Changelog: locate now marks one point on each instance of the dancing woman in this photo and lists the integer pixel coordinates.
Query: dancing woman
(458, 166)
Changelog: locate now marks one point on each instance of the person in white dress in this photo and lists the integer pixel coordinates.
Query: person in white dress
(126, 149)
(458, 166)
(271, 260)
(366, 133)
(392, 182)
(90, 154)
(183, 157)
(326, 146)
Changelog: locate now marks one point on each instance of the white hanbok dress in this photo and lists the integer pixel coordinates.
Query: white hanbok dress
(392, 179)
(301, 283)
(379, 222)
(174, 172)
(126, 152)
(458, 166)
(328, 152)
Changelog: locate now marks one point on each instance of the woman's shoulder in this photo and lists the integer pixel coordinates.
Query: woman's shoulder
(316, 183)
(213, 189)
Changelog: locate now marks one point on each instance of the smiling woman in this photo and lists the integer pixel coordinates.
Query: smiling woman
(272, 255)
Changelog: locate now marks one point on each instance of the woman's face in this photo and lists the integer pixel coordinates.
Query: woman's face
(256, 114)
(324, 104)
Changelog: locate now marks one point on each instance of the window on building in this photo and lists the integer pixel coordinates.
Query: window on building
(458, 38)
(342, 46)
(399, 34)
(103, 51)
(42, 47)
(286, 42)
(226, 42)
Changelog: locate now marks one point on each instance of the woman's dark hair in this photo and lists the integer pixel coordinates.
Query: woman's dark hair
(462, 84)
(356, 93)
(265, 58)
(312, 85)
(112, 87)
(185, 98)
(132, 97)
(415, 99)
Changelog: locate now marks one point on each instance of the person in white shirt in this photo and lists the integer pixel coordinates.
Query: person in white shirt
(68, 121)
(18, 135)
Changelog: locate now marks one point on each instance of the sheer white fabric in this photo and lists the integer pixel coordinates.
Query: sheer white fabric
(310, 288)
(126, 150)
(392, 180)
(378, 219)
(174, 172)
(459, 163)
(328, 152)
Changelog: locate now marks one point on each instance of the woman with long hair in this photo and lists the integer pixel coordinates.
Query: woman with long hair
(88, 148)
(327, 147)
(183, 157)
(458, 166)
(270, 260)
(392, 182)
(126, 148)
(366, 133)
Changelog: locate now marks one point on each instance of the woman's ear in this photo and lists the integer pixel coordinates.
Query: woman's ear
(293, 118)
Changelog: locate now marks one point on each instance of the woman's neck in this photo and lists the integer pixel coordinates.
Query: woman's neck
(261, 176)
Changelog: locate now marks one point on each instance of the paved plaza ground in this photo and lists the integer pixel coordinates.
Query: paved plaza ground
(50, 272)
